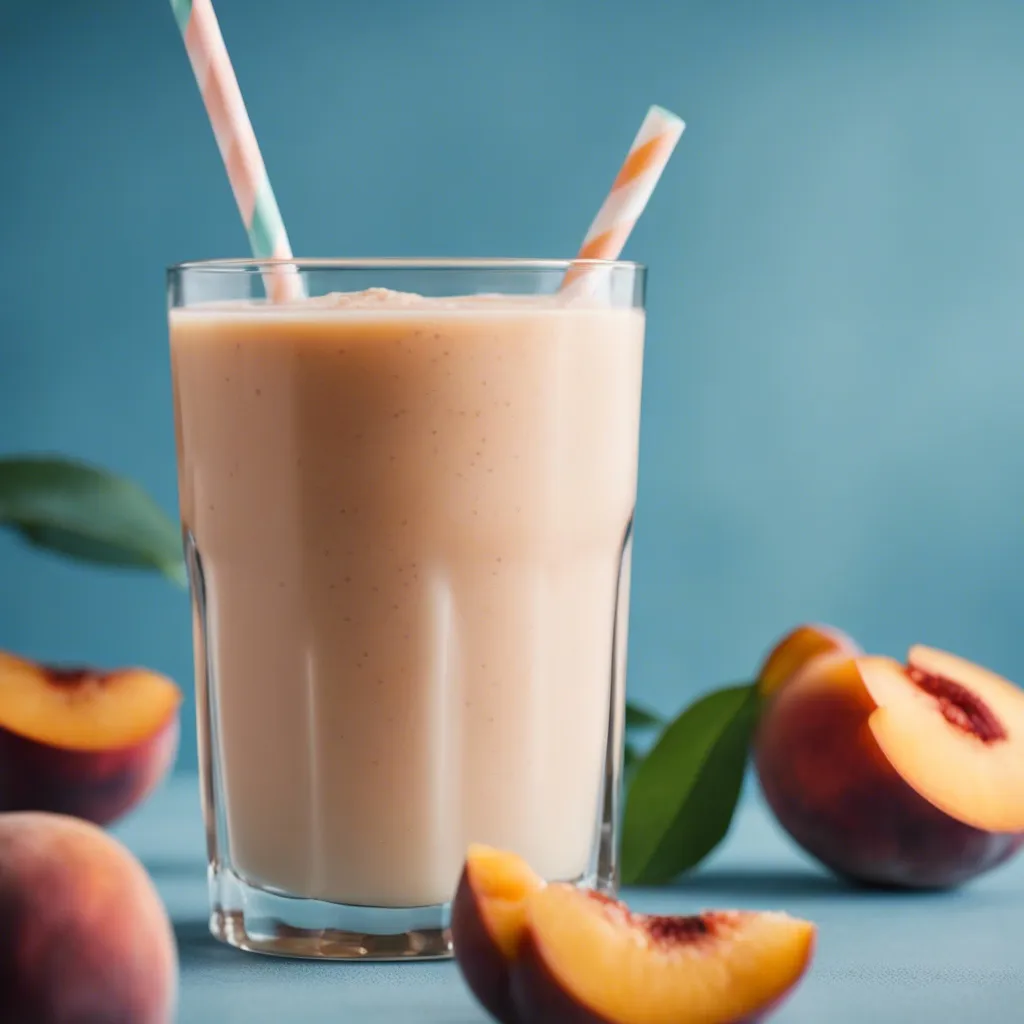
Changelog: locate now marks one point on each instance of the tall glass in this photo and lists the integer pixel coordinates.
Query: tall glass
(407, 504)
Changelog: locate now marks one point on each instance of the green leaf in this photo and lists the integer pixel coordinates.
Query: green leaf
(641, 718)
(683, 795)
(89, 514)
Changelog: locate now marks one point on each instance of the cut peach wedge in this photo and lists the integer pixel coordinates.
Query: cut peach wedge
(488, 913)
(909, 775)
(586, 959)
(83, 742)
(556, 954)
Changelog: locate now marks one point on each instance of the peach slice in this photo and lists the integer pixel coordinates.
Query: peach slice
(897, 775)
(488, 914)
(83, 934)
(797, 649)
(83, 742)
(586, 959)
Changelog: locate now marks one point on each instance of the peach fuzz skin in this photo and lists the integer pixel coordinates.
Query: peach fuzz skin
(83, 742)
(897, 776)
(83, 934)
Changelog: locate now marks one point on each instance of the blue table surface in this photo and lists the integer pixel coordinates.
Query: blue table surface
(937, 957)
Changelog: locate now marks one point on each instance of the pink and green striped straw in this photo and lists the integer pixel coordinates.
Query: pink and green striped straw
(236, 141)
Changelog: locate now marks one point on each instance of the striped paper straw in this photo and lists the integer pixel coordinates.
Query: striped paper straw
(236, 141)
(631, 190)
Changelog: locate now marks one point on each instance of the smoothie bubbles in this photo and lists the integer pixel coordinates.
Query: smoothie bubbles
(407, 491)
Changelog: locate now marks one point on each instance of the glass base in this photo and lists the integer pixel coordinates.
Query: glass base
(261, 921)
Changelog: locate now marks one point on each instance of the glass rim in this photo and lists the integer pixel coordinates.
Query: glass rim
(251, 264)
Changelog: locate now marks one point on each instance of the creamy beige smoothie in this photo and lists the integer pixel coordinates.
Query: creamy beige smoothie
(410, 514)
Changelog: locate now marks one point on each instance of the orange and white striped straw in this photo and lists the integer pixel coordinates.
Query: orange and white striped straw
(236, 141)
(631, 190)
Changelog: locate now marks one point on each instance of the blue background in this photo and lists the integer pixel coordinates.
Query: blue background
(833, 423)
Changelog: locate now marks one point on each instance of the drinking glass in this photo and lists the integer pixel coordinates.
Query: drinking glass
(407, 507)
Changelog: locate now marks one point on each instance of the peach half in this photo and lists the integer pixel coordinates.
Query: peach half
(488, 914)
(83, 742)
(909, 775)
(83, 934)
(587, 959)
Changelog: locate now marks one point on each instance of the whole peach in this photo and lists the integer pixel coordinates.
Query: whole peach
(84, 937)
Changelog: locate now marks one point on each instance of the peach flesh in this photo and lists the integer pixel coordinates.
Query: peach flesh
(896, 776)
(80, 708)
(82, 742)
(586, 959)
(955, 732)
(83, 934)
(488, 913)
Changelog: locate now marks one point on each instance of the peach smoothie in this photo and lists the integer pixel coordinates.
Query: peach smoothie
(411, 515)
